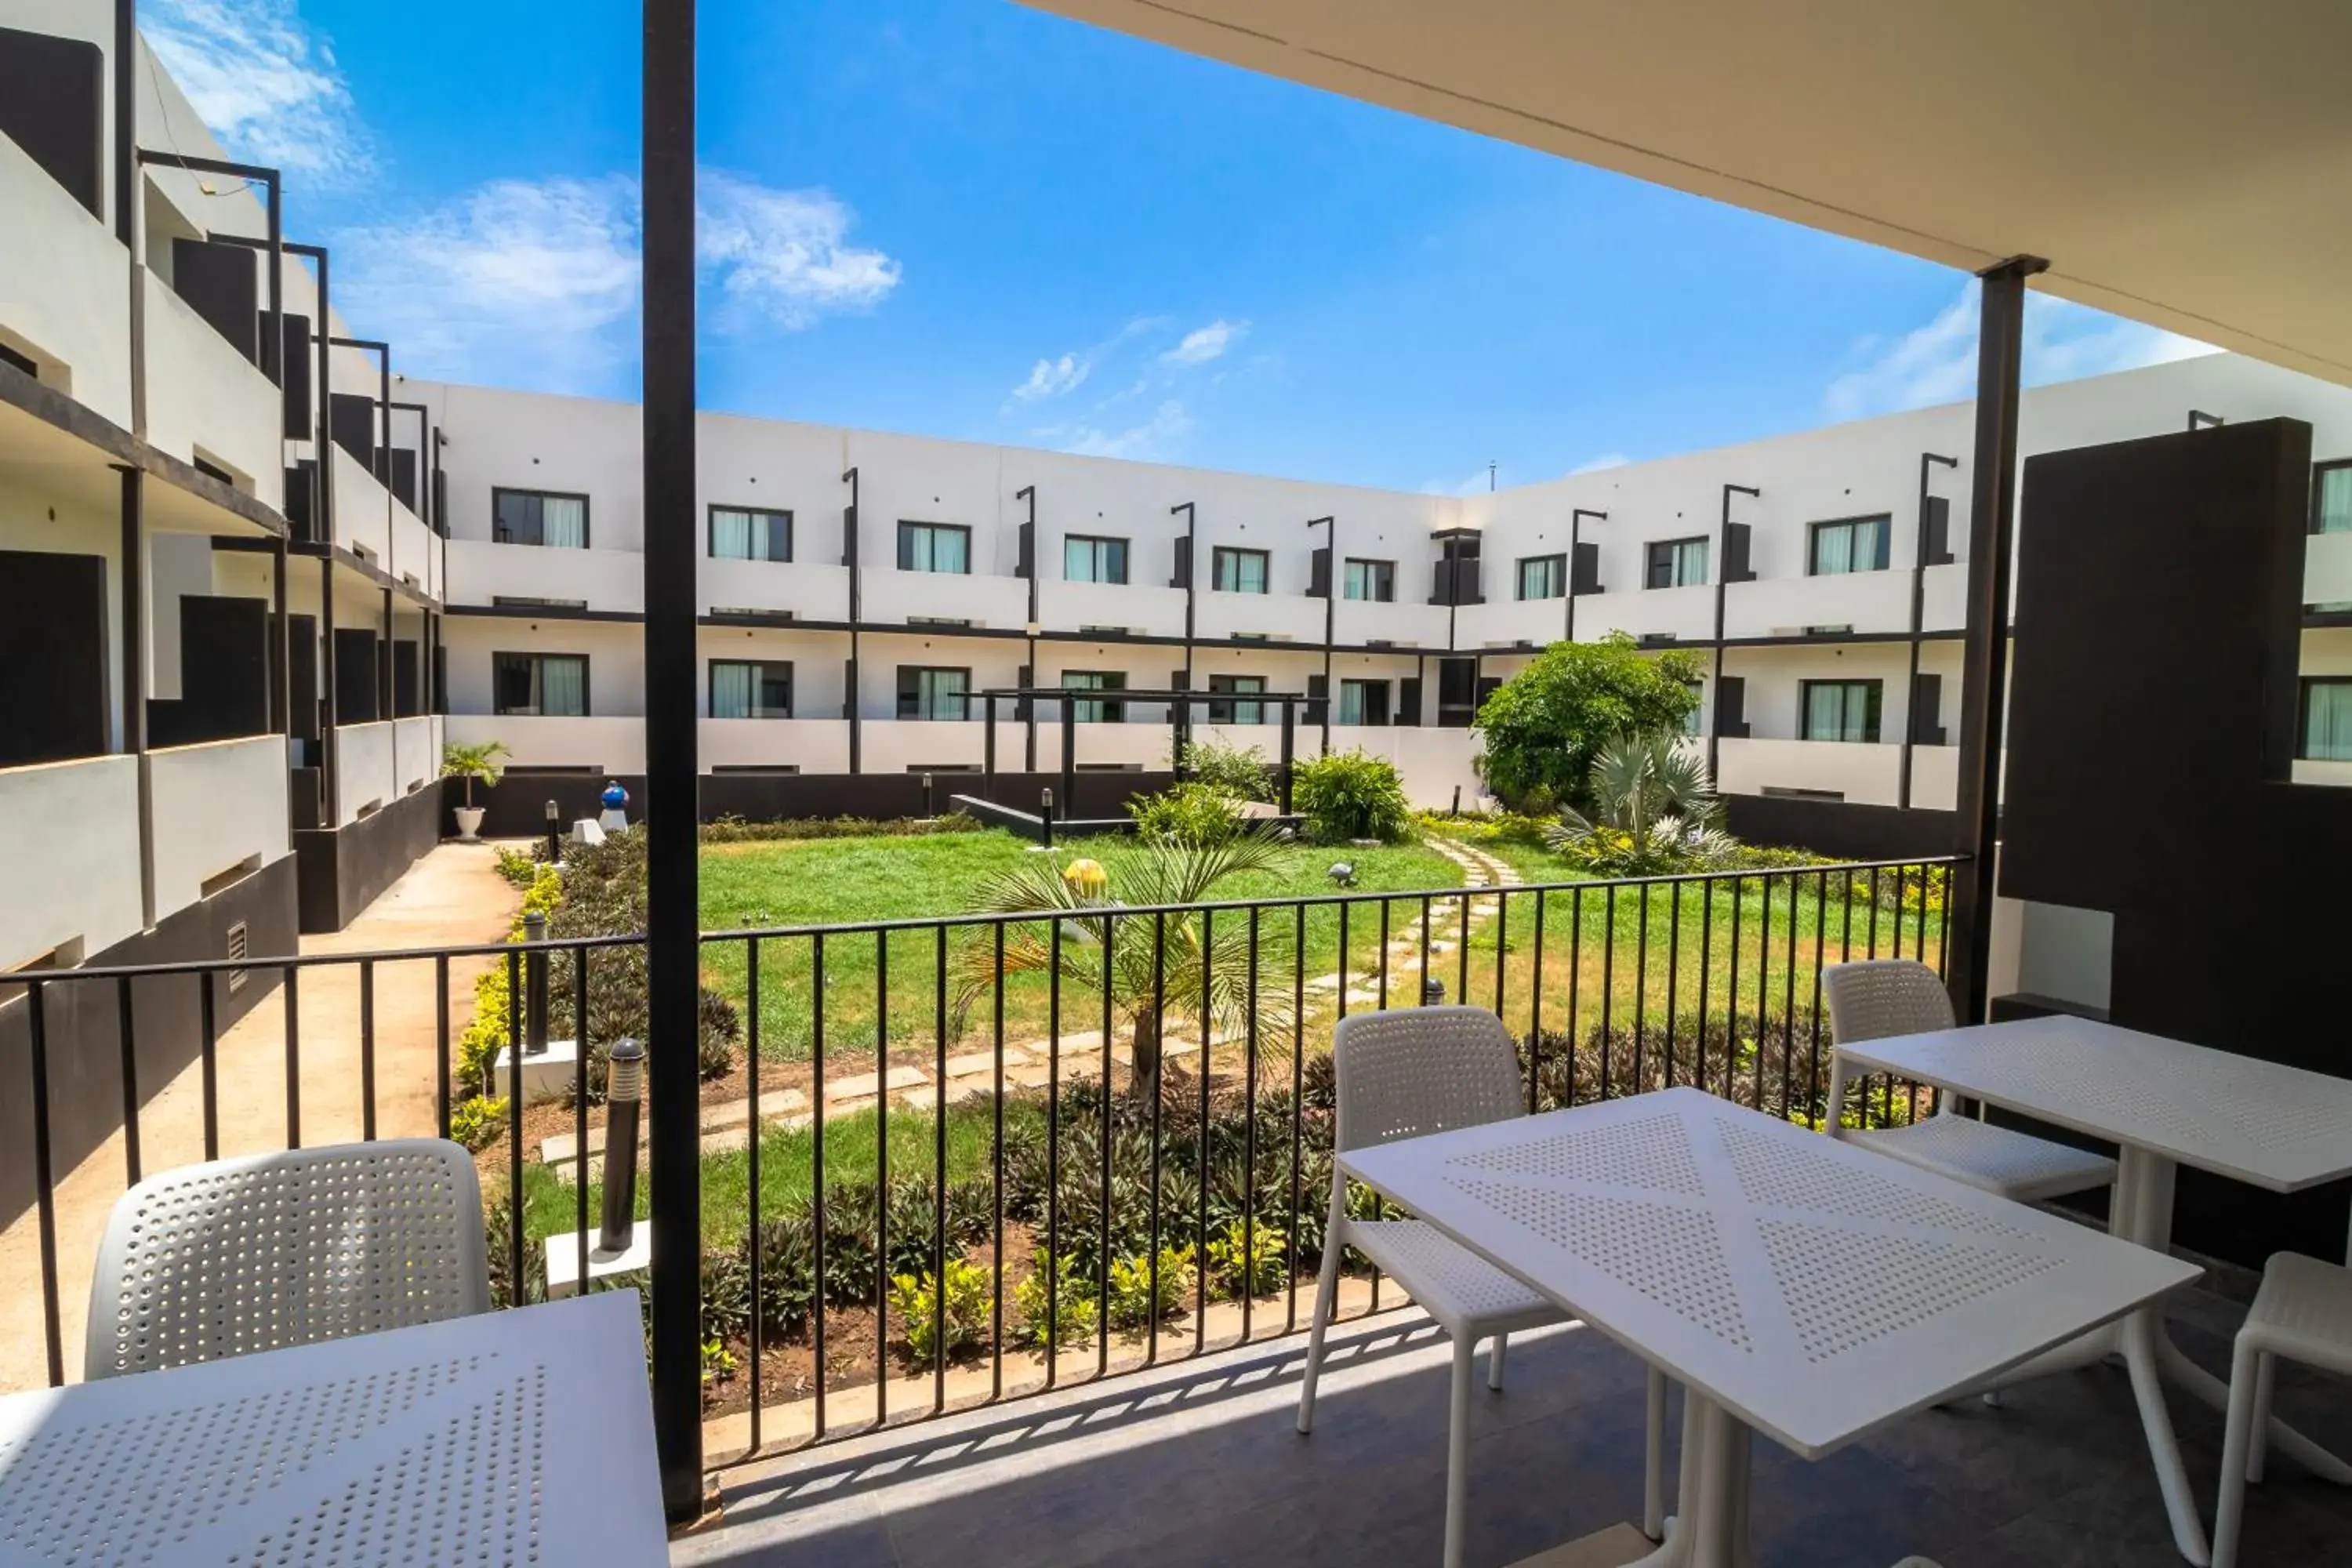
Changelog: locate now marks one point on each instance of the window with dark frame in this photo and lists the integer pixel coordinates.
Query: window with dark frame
(539, 685)
(934, 692)
(1374, 581)
(1840, 709)
(1363, 703)
(1692, 720)
(2331, 497)
(548, 518)
(1674, 564)
(934, 547)
(1096, 712)
(2326, 734)
(750, 689)
(1235, 571)
(1231, 712)
(1543, 576)
(1847, 544)
(1093, 558)
(749, 533)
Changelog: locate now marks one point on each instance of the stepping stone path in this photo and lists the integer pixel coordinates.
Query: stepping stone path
(1027, 1065)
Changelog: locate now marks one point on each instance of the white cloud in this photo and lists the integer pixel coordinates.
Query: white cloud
(1202, 344)
(782, 256)
(535, 283)
(1478, 483)
(1594, 464)
(264, 83)
(1937, 362)
(1053, 377)
(1153, 440)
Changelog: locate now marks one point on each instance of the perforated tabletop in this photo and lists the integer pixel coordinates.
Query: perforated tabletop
(513, 1437)
(2277, 1126)
(1814, 1289)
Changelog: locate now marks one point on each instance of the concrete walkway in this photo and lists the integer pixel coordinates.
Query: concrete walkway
(453, 896)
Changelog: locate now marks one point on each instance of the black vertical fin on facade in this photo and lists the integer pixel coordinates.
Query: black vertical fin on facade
(1929, 551)
(1993, 531)
(672, 919)
(1732, 566)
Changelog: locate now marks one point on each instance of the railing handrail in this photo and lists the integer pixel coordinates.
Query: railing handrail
(935, 923)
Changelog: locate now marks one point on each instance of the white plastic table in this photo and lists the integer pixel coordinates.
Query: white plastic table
(1795, 1286)
(2164, 1103)
(516, 1437)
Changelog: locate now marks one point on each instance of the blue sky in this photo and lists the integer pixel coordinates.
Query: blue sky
(965, 219)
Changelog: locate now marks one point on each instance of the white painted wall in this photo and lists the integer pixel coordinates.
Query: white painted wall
(417, 751)
(366, 774)
(891, 594)
(1866, 774)
(481, 572)
(73, 856)
(809, 592)
(206, 401)
(614, 651)
(362, 510)
(64, 290)
(812, 745)
(601, 745)
(215, 807)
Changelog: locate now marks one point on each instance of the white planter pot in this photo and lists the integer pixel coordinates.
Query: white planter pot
(469, 823)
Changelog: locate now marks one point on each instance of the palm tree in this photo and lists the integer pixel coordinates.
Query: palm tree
(483, 760)
(1654, 808)
(1147, 988)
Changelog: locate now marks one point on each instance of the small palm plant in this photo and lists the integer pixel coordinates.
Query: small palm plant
(1653, 810)
(483, 760)
(1148, 982)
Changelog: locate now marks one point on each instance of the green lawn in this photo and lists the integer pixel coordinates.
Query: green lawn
(846, 880)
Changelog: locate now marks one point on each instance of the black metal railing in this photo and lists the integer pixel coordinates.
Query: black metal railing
(980, 1154)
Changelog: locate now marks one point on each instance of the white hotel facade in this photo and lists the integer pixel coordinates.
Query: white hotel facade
(227, 668)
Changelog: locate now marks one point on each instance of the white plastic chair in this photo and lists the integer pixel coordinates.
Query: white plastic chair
(2304, 1313)
(1877, 998)
(1402, 1074)
(222, 1259)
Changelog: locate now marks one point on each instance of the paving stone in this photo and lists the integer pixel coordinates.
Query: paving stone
(773, 1103)
(864, 1086)
(974, 1063)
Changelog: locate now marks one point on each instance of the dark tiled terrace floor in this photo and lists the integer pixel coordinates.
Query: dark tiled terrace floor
(1200, 1465)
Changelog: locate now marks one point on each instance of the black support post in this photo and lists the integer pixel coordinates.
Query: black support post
(134, 581)
(671, 918)
(1290, 750)
(1715, 682)
(1576, 537)
(1928, 461)
(1330, 604)
(281, 687)
(1191, 577)
(1069, 757)
(328, 748)
(856, 672)
(1992, 531)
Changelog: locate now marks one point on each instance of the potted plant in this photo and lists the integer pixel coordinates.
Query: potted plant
(482, 760)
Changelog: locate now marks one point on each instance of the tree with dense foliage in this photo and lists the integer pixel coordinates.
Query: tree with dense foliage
(1544, 727)
(1347, 795)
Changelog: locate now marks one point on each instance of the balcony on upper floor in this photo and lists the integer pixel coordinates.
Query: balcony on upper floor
(64, 291)
(810, 745)
(803, 590)
(892, 596)
(1865, 773)
(207, 403)
(482, 572)
(1275, 617)
(1506, 623)
(381, 763)
(1357, 622)
(1863, 601)
(1147, 610)
(73, 871)
(1686, 614)
(219, 811)
(601, 744)
(2327, 569)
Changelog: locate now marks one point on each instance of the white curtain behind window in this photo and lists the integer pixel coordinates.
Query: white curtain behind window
(563, 687)
(2336, 501)
(1825, 707)
(1690, 562)
(1870, 545)
(1832, 552)
(730, 691)
(2327, 723)
(730, 535)
(563, 522)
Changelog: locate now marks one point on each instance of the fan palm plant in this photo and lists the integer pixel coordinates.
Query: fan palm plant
(1654, 809)
(1183, 974)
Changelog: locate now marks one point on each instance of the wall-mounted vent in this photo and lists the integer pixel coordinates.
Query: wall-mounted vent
(239, 943)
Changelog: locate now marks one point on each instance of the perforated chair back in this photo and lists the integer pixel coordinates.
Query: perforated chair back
(1878, 998)
(1411, 1070)
(223, 1260)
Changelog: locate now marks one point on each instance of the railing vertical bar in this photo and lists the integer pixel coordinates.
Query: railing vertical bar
(1425, 951)
(126, 1034)
(939, 1169)
(1535, 1008)
(441, 1044)
(750, 1152)
(1298, 1091)
(1384, 957)
(1249, 1130)
(881, 1179)
(1764, 986)
(1821, 932)
(367, 1050)
(1674, 973)
(293, 1060)
(1944, 924)
(1201, 1139)
(1706, 966)
(515, 1005)
(1341, 994)
(1575, 983)
(1102, 1196)
(1788, 1005)
(816, 1162)
(208, 1026)
(1608, 990)
(1845, 954)
(580, 1047)
(1731, 996)
(1159, 1101)
(1919, 953)
(1640, 990)
(1462, 951)
(43, 1177)
(1502, 947)
(996, 1234)
(1873, 912)
(1052, 1258)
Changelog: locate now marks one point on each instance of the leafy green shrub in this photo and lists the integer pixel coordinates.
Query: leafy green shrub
(478, 1122)
(1241, 1257)
(1239, 773)
(1193, 813)
(1133, 1301)
(1347, 795)
(1072, 1317)
(519, 867)
(736, 830)
(961, 1310)
(1487, 828)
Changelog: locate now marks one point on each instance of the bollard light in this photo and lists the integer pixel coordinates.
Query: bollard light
(1457, 800)
(926, 795)
(1046, 812)
(554, 833)
(1432, 991)
(535, 984)
(625, 1090)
